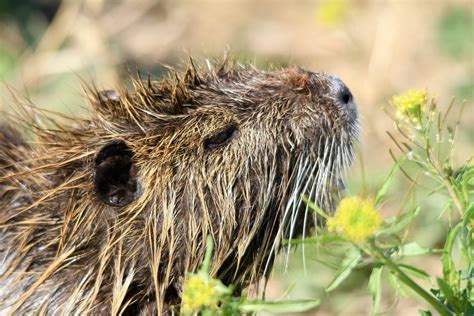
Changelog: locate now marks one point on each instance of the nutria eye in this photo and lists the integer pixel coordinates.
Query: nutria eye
(221, 138)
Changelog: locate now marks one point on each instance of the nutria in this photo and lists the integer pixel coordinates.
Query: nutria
(106, 214)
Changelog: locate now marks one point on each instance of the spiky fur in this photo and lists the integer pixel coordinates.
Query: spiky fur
(63, 251)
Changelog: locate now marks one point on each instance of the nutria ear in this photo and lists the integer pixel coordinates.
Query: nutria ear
(115, 178)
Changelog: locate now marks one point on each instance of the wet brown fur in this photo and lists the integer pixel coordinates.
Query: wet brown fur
(64, 251)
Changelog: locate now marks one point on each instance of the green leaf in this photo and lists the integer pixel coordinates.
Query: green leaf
(314, 207)
(395, 283)
(375, 288)
(403, 220)
(449, 273)
(351, 260)
(449, 294)
(463, 179)
(413, 249)
(414, 271)
(469, 215)
(382, 192)
(325, 238)
(293, 306)
(425, 313)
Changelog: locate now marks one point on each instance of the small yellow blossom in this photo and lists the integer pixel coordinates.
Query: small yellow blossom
(332, 12)
(199, 293)
(356, 219)
(411, 104)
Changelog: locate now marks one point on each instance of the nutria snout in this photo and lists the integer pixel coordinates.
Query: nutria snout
(106, 214)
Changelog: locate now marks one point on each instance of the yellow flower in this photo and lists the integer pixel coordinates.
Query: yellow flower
(356, 219)
(411, 104)
(332, 12)
(199, 293)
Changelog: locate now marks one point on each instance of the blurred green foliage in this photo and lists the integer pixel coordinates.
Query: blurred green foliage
(465, 89)
(455, 39)
(455, 32)
(7, 62)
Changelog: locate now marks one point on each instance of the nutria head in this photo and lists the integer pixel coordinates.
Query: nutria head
(116, 208)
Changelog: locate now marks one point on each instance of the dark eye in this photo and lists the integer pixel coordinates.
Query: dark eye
(221, 138)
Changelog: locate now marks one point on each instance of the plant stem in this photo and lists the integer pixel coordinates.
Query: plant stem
(454, 196)
(440, 308)
(206, 264)
(446, 181)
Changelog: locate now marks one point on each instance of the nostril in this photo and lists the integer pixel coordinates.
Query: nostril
(345, 95)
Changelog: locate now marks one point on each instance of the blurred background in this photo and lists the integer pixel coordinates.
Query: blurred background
(378, 47)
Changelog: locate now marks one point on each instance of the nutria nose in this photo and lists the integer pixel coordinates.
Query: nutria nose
(344, 95)
(340, 91)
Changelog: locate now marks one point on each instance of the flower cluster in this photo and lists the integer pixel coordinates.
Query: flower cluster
(356, 219)
(411, 104)
(200, 293)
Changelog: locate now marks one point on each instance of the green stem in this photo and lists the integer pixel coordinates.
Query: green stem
(454, 196)
(206, 264)
(440, 308)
